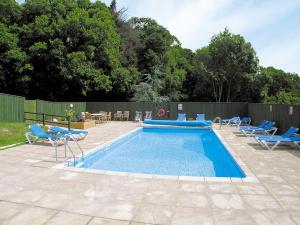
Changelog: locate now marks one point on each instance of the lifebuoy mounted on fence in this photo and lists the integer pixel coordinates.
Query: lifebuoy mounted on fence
(161, 111)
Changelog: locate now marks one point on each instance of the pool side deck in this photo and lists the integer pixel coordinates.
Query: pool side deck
(33, 192)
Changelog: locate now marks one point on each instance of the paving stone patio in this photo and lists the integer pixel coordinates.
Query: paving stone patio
(33, 192)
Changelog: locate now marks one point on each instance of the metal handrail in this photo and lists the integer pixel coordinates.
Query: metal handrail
(82, 154)
(218, 119)
(44, 114)
(74, 157)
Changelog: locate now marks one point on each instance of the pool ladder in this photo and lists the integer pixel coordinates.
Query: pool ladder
(72, 153)
(220, 121)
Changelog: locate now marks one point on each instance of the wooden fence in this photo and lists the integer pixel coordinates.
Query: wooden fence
(280, 114)
(284, 116)
(211, 110)
(12, 109)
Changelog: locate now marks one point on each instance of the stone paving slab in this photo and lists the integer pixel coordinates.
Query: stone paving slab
(33, 192)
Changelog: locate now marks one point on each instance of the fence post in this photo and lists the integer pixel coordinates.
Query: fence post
(44, 119)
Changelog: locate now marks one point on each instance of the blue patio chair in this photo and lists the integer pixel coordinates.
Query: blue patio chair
(200, 117)
(37, 132)
(181, 117)
(281, 140)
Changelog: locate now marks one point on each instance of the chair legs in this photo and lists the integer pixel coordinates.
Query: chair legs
(28, 135)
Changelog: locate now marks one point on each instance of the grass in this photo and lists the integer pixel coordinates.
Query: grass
(12, 133)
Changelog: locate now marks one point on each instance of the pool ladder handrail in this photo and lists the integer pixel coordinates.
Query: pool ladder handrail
(73, 155)
(218, 119)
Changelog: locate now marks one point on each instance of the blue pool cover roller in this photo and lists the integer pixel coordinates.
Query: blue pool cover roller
(204, 123)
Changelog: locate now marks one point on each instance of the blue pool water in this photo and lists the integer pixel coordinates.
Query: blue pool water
(167, 151)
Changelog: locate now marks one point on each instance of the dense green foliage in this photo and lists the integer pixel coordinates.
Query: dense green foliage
(74, 50)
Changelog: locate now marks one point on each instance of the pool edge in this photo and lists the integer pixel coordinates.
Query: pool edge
(250, 178)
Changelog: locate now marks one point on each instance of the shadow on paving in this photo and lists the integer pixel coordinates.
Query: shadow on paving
(289, 149)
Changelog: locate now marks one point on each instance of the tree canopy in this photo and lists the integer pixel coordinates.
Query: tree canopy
(81, 50)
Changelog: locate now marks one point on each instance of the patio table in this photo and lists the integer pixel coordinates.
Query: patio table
(98, 116)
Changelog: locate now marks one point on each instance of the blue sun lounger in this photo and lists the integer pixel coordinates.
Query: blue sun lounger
(261, 125)
(37, 132)
(73, 133)
(289, 133)
(245, 120)
(234, 120)
(280, 140)
(268, 129)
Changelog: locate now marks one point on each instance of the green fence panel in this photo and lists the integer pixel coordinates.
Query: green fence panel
(210, 109)
(59, 108)
(11, 108)
(30, 107)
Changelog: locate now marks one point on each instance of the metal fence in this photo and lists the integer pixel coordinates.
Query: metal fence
(11, 108)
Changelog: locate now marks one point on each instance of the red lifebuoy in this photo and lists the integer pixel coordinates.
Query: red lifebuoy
(161, 112)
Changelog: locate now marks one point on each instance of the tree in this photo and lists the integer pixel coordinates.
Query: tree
(283, 97)
(14, 66)
(198, 84)
(176, 66)
(83, 76)
(124, 82)
(150, 88)
(155, 41)
(10, 12)
(130, 41)
(279, 86)
(230, 59)
(83, 50)
(75, 42)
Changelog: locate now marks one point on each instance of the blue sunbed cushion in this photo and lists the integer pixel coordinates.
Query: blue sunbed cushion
(38, 131)
(281, 139)
(64, 131)
(261, 125)
(287, 134)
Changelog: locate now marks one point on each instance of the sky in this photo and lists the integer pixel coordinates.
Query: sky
(272, 26)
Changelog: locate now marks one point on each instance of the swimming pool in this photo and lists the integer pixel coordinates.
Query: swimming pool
(166, 151)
